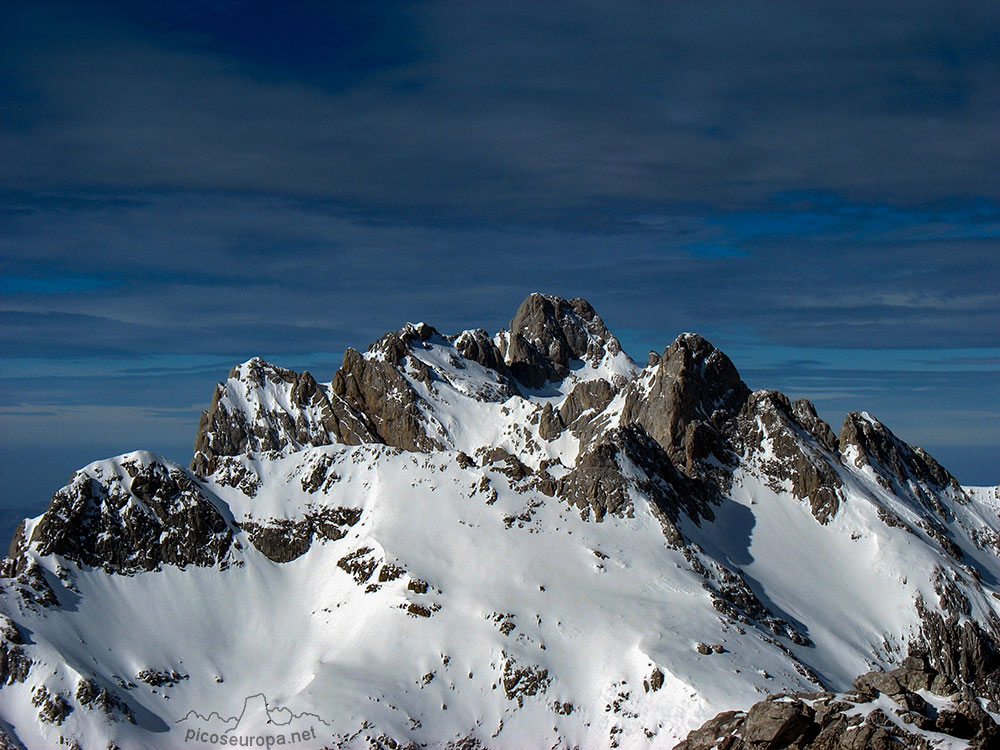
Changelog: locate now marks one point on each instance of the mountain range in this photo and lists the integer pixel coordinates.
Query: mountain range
(517, 540)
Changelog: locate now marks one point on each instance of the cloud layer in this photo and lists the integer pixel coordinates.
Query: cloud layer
(185, 185)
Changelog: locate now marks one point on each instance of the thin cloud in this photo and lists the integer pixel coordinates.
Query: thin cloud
(506, 112)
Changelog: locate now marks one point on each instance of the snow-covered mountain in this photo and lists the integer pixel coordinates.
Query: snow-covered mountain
(514, 541)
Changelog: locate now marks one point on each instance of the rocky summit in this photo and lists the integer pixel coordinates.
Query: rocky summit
(516, 540)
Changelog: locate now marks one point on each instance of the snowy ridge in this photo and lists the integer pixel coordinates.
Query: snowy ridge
(507, 541)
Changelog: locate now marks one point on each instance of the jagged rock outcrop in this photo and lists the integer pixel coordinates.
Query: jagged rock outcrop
(962, 650)
(603, 477)
(855, 720)
(90, 695)
(806, 417)
(693, 382)
(586, 400)
(477, 346)
(143, 516)
(790, 446)
(262, 407)
(596, 483)
(375, 387)
(898, 465)
(14, 662)
(285, 539)
(547, 332)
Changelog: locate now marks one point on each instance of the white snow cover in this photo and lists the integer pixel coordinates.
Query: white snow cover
(536, 628)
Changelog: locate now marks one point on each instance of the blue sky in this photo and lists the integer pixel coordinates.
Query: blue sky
(185, 185)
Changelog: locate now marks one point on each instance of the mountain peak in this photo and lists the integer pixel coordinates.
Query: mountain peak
(561, 548)
(868, 442)
(548, 332)
(685, 395)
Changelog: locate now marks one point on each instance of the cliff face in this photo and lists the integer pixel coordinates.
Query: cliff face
(514, 540)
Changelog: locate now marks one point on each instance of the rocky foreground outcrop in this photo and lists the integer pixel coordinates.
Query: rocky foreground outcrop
(914, 706)
(137, 518)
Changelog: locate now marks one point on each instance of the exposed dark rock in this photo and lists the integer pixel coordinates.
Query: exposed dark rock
(547, 332)
(53, 708)
(375, 387)
(592, 395)
(693, 381)
(320, 477)
(963, 651)
(17, 545)
(91, 695)
(733, 597)
(314, 418)
(153, 515)
(230, 471)
(954, 723)
(530, 366)
(522, 681)
(580, 412)
(9, 632)
(806, 417)
(906, 469)
(774, 724)
(562, 708)
(476, 345)
(656, 679)
(719, 732)
(390, 572)
(550, 425)
(360, 564)
(825, 721)
(937, 531)
(283, 539)
(160, 677)
(418, 610)
(14, 662)
(596, 483)
(506, 463)
(25, 575)
(950, 596)
(801, 460)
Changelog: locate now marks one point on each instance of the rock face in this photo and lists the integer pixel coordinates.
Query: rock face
(585, 401)
(375, 387)
(856, 720)
(547, 332)
(283, 540)
(477, 346)
(266, 408)
(903, 467)
(692, 392)
(964, 652)
(791, 446)
(139, 518)
(14, 663)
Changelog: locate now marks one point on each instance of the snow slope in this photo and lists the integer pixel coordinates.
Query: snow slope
(573, 564)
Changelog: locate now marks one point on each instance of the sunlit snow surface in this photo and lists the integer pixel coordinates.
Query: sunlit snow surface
(515, 580)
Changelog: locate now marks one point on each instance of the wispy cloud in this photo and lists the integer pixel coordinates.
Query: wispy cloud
(185, 185)
(501, 111)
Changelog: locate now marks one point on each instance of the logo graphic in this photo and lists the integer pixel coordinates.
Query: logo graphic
(259, 725)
